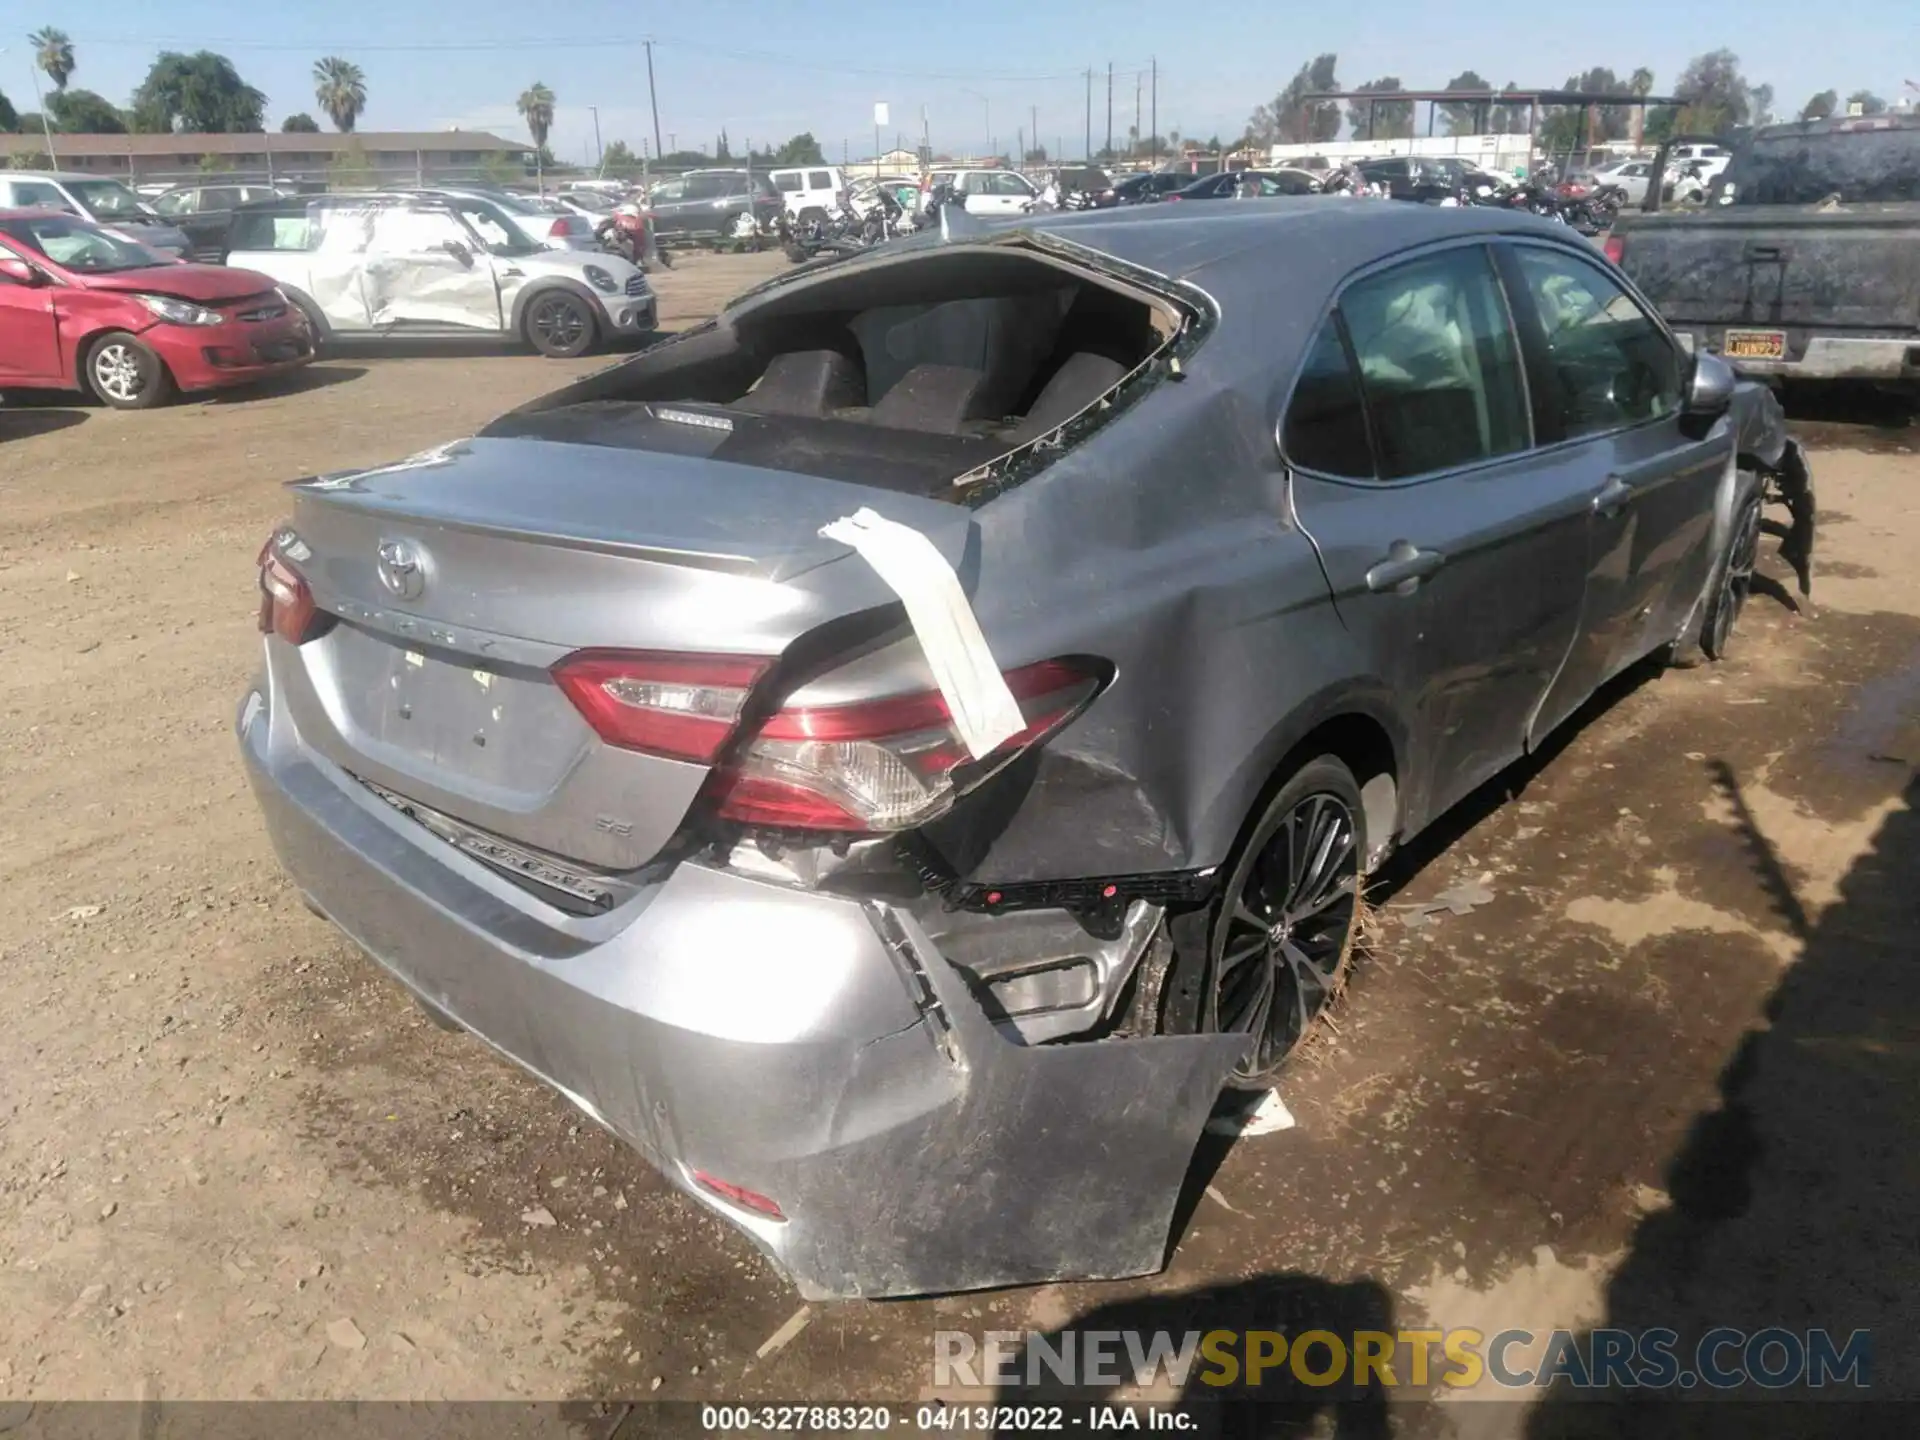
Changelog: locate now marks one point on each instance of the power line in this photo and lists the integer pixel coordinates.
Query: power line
(530, 43)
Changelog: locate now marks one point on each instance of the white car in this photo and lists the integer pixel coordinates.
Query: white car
(108, 203)
(550, 224)
(1630, 176)
(378, 266)
(987, 192)
(808, 188)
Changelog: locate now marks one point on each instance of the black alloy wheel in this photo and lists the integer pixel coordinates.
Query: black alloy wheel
(1735, 581)
(1285, 922)
(559, 324)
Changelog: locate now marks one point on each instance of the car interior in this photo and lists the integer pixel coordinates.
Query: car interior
(905, 374)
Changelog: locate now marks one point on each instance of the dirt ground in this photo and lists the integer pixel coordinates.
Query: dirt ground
(1661, 1070)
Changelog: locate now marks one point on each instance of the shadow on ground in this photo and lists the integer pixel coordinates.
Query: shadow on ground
(293, 382)
(1793, 1204)
(23, 422)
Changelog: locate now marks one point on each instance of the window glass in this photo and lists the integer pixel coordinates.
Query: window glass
(33, 194)
(493, 229)
(179, 202)
(667, 192)
(402, 230)
(1438, 362)
(706, 187)
(1326, 426)
(819, 180)
(1610, 364)
(789, 182)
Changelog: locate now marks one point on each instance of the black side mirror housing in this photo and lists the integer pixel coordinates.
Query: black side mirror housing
(1710, 387)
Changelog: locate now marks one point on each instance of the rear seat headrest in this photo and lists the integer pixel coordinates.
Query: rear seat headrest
(806, 382)
(937, 398)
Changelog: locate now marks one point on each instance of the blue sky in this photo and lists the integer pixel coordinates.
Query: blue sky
(765, 69)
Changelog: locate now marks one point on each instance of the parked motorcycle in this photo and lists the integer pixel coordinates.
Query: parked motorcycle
(627, 234)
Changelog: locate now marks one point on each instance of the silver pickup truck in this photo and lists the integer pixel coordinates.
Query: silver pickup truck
(1804, 262)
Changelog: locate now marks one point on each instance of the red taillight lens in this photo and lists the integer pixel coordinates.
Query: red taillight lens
(885, 765)
(684, 707)
(1615, 248)
(738, 1194)
(562, 228)
(286, 604)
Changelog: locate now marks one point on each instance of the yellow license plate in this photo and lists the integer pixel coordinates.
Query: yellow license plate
(1755, 345)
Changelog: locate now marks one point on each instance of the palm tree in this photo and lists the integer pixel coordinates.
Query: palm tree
(53, 53)
(536, 106)
(341, 90)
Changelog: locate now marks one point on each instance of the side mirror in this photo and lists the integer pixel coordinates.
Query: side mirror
(20, 272)
(1710, 388)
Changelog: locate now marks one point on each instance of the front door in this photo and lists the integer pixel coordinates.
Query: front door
(1454, 550)
(1607, 388)
(425, 270)
(29, 332)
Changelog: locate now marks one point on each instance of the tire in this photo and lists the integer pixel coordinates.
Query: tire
(316, 324)
(559, 324)
(1275, 945)
(123, 372)
(812, 215)
(1733, 572)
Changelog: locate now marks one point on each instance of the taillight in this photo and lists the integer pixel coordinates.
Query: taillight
(684, 707)
(1615, 248)
(738, 1194)
(885, 765)
(561, 229)
(286, 604)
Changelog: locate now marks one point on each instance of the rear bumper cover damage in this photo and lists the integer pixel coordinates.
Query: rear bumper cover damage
(814, 1049)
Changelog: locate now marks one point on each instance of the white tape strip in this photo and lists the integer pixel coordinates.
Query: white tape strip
(984, 710)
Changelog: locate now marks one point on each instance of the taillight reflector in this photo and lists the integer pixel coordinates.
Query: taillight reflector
(562, 228)
(738, 1194)
(286, 604)
(1615, 248)
(683, 707)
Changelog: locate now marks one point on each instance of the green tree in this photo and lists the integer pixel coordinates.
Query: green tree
(1821, 105)
(211, 164)
(1466, 117)
(9, 117)
(1390, 119)
(1290, 118)
(802, 149)
(301, 124)
(1869, 103)
(53, 53)
(617, 161)
(201, 92)
(1511, 118)
(351, 169)
(1036, 155)
(501, 168)
(722, 151)
(1716, 95)
(81, 112)
(341, 91)
(536, 108)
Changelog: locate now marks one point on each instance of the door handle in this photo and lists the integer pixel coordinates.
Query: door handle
(1614, 497)
(1404, 567)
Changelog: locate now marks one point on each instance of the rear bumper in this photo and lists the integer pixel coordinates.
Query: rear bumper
(814, 1049)
(1819, 357)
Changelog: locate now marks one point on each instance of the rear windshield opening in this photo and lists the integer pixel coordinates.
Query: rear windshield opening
(907, 374)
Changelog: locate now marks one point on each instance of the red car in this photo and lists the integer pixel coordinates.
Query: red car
(84, 310)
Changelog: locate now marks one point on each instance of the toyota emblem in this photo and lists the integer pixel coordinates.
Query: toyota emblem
(403, 569)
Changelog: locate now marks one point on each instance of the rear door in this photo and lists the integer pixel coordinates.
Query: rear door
(1455, 551)
(1607, 386)
(422, 272)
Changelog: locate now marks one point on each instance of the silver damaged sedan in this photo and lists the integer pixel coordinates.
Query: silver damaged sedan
(1286, 524)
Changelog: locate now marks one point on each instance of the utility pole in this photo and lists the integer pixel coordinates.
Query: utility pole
(1089, 114)
(1109, 109)
(1020, 146)
(1154, 114)
(1139, 81)
(599, 154)
(1033, 122)
(653, 99)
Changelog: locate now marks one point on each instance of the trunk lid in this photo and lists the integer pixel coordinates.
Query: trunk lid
(1855, 268)
(458, 578)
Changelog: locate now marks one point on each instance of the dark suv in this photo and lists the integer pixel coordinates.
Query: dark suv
(716, 205)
